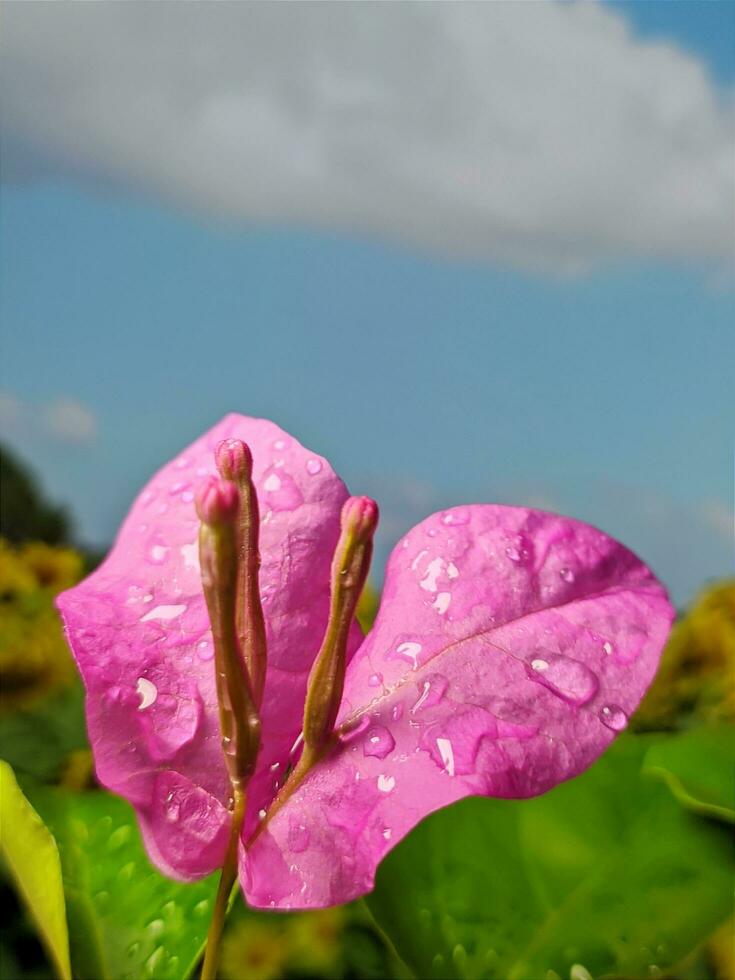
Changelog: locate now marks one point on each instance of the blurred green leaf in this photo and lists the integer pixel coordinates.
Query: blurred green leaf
(125, 919)
(699, 768)
(607, 871)
(37, 741)
(32, 857)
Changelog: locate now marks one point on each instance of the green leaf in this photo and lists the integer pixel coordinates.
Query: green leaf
(32, 857)
(36, 741)
(606, 872)
(698, 767)
(125, 919)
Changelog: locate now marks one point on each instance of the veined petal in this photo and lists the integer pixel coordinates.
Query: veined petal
(139, 630)
(510, 648)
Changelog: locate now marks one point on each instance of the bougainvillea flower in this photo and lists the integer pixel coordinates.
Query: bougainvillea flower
(510, 648)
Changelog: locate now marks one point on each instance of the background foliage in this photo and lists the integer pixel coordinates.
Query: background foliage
(625, 871)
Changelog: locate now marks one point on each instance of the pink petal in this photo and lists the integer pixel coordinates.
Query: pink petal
(512, 646)
(139, 630)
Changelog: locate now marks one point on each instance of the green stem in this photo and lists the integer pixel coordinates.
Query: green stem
(227, 879)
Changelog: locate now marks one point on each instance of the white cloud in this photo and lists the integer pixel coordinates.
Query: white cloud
(69, 421)
(543, 135)
(65, 420)
(11, 413)
(719, 517)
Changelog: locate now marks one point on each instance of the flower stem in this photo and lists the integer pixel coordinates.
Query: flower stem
(227, 879)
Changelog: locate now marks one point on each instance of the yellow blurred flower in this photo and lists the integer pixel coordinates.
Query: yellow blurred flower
(697, 673)
(253, 949)
(34, 657)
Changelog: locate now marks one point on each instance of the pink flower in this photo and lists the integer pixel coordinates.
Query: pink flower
(510, 648)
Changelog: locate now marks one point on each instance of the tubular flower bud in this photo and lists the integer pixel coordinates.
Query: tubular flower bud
(217, 501)
(239, 721)
(235, 462)
(350, 566)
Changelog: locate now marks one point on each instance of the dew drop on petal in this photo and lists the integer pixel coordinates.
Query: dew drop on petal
(567, 678)
(409, 651)
(456, 517)
(613, 717)
(378, 742)
(172, 807)
(431, 691)
(313, 466)
(608, 647)
(375, 680)
(441, 603)
(566, 574)
(205, 650)
(157, 554)
(298, 835)
(397, 711)
(387, 833)
(447, 754)
(147, 691)
(386, 784)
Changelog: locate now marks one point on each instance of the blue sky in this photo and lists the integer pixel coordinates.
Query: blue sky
(428, 375)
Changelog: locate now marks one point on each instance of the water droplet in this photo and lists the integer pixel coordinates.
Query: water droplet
(579, 972)
(118, 838)
(156, 928)
(518, 551)
(386, 784)
(387, 833)
(279, 444)
(163, 612)
(566, 574)
(172, 807)
(447, 754)
(378, 742)
(181, 463)
(409, 651)
(178, 487)
(613, 717)
(147, 691)
(375, 680)
(205, 650)
(456, 517)
(397, 711)
(261, 814)
(127, 871)
(568, 679)
(157, 554)
(298, 836)
(282, 491)
(187, 496)
(608, 647)
(432, 573)
(452, 570)
(313, 466)
(431, 691)
(155, 960)
(441, 603)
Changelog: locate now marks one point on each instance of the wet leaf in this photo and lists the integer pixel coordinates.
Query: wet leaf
(698, 767)
(606, 872)
(31, 855)
(125, 919)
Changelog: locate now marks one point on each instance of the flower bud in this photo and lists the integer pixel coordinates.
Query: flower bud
(234, 460)
(359, 516)
(217, 501)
